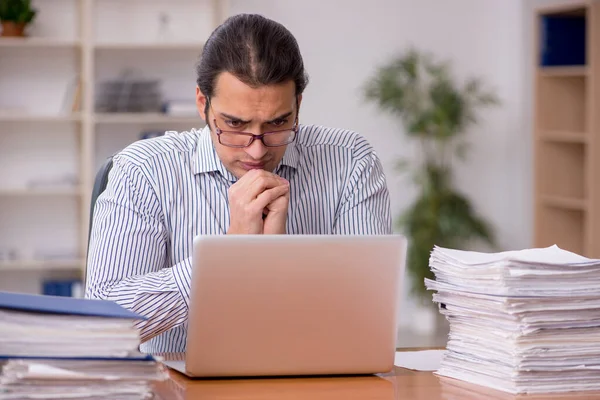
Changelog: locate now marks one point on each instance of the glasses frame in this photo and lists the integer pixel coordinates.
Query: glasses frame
(252, 137)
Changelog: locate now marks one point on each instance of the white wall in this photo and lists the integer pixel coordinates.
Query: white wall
(343, 41)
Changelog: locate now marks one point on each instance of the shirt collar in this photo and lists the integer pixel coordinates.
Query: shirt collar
(291, 157)
(206, 158)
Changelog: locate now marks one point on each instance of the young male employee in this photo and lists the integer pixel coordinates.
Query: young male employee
(252, 170)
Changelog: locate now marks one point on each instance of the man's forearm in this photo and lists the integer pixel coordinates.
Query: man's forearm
(366, 210)
(162, 297)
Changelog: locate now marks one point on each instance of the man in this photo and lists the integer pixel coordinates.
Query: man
(252, 170)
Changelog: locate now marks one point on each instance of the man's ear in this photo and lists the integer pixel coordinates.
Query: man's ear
(201, 100)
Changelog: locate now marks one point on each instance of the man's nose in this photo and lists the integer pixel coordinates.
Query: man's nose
(257, 149)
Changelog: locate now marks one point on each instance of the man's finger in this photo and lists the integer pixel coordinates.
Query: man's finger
(247, 181)
(262, 184)
(269, 195)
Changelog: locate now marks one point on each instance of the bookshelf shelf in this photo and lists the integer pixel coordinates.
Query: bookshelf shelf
(39, 192)
(197, 47)
(39, 43)
(144, 118)
(563, 202)
(555, 71)
(576, 7)
(20, 117)
(38, 265)
(563, 137)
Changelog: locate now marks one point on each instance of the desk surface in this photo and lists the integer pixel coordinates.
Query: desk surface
(399, 384)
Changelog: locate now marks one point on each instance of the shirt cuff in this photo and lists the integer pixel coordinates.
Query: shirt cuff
(182, 275)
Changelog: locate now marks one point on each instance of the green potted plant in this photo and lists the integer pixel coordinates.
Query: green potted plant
(435, 111)
(15, 15)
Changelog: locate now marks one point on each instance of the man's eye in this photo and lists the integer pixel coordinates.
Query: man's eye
(279, 122)
(234, 123)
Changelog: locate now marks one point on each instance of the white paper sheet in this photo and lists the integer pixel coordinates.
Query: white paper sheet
(423, 360)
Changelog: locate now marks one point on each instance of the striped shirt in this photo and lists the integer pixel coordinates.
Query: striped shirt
(162, 192)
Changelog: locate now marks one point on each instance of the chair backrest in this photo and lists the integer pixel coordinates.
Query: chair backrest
(99, 185)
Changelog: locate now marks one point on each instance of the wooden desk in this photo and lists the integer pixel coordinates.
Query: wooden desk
(398, 384)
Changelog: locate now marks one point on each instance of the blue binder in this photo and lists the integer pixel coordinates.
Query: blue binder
(44, 304)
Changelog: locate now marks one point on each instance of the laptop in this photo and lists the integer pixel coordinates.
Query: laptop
(293, 305)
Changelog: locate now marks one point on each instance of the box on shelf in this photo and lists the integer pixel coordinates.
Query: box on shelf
(129, 93)
(563, 40)
(63, 288)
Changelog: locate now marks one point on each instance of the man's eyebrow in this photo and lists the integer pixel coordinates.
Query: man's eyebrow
(234, 118)
(282, 116)
(231, 117)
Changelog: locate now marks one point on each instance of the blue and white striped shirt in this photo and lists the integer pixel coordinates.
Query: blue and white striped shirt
(163, 192)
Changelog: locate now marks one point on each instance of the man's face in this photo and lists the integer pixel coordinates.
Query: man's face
(238, 107)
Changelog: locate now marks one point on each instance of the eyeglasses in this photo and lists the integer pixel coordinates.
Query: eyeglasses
(240, 139)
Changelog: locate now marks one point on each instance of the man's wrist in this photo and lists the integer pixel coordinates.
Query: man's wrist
(235, 229)
(274, 228)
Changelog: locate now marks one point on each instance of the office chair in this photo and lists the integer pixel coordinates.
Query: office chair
(99, 186)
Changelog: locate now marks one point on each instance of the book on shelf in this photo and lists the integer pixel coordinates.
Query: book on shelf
(72, 98)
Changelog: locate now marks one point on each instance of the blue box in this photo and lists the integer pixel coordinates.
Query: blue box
(563, 40)
(59, 287)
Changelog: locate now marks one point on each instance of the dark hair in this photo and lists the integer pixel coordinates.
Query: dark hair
(256, 50)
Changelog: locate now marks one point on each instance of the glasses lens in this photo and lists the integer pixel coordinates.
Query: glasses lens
(235, 139)
(279, 138)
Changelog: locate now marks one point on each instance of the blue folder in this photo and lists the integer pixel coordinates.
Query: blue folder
(44, 304)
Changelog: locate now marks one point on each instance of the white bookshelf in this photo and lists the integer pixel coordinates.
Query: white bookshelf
(86, 41)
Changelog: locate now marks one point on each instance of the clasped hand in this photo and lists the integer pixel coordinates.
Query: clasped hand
(256, 193)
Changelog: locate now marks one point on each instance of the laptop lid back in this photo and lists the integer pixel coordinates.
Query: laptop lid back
(294, 304)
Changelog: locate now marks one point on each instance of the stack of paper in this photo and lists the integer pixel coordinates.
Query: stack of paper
(58, 348)
(76, 379)
(523, 321)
